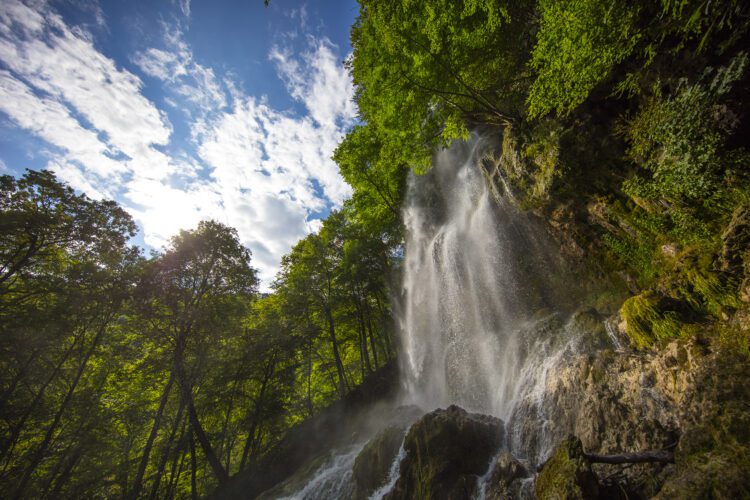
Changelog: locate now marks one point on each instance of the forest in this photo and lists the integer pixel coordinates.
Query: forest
(162, 375)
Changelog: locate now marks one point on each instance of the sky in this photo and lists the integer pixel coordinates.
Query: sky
(184, 110)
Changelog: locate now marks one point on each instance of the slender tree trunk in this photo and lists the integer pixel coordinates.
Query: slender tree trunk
(8, 392)
(363, 354)
(18, 428)
(267, 374)
(386, 337)
(152, 436)
(200, 434)
(67, 472)
(175, 472)
(335, 347)
(42, 450)
(167, 448)
(373, 345)
(193, 466)
(310, 408)
(65, 455)
(257, 442)
(226, 444)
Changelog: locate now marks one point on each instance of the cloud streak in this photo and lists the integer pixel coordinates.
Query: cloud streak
(265, 171)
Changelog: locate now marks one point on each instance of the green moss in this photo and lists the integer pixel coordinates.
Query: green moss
(567, 474)
(713, 458)
(543, 152)
(645, 323)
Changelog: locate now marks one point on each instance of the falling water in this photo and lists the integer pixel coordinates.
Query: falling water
(483, 310)
(474, 277)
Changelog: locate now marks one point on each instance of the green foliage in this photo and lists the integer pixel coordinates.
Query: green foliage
(636, 255)
(703, 20)
(679, 140)
(645, 321)
(375, 168)
(578, 44)
(128, 377)
(423, 68)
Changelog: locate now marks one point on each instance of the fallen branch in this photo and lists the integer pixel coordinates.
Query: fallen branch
(661, 456)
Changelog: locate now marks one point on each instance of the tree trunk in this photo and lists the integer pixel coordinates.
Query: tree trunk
(310, 408)
(174, 477)
(200, 434)
(386, 337)
(42, 450)
(10, 444)
(193, 466)
(661, 456)
(167, 448)
(226, 443)
(373, 345)
(267, 374)
(335, 347)
(67, 472)
(187, 394)
(152, 436)
(363, 354)
(8, 392)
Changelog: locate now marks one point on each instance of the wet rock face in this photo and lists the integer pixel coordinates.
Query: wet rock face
(506, 479)
(687, 395)
(373, 463)
(446, 451)
(567, 474)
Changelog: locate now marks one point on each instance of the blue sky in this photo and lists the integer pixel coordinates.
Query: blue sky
(183, 110)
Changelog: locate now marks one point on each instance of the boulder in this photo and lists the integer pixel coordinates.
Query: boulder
(373, 463)
(446, 451)
(506, 478)
(567, 474)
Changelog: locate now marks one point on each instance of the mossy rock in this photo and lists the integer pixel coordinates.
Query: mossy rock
(713, 456)
(373, 463)
(645, 320)
(591, 324)
(446, 452)
(505, 480)
(713, 459)
(567, 475)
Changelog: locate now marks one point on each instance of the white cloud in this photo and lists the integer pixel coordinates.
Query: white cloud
(174, 64)
(52, 121)
(264, 171)
(63, 62)
(185, 7)
(278, 159)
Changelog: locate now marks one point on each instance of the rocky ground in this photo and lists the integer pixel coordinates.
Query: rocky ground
(690, 400)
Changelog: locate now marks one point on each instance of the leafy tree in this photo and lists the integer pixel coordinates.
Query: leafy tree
(65, 274)
(203, 281)
(422, 69)
(578, 44)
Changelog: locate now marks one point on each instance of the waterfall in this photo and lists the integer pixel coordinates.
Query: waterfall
(475, 275)
(483, 313)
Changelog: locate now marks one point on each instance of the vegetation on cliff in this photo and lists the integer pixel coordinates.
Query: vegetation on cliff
(161, 376)
(622, 126)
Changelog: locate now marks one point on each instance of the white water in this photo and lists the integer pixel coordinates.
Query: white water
(467, 288)
(481, 323)
(392, 476)
(333, 479)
